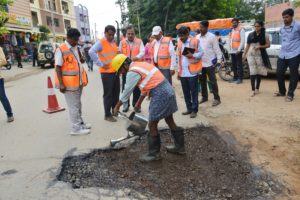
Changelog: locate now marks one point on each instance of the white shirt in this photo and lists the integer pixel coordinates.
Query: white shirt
(185, 62)
(211, 49)
(142, 48)
(171, 52)
(59, 61)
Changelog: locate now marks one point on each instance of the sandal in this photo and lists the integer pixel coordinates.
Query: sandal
(278, 94)
(289, 99)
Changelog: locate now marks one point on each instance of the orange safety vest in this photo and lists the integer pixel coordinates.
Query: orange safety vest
(134, 50)
(109, 51)
(70, 70)
(235, 38)
(195, 65)
(163, 55)
(151, 76)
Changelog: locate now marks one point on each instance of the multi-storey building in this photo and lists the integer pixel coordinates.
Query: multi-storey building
(83, 24)
(273, 12)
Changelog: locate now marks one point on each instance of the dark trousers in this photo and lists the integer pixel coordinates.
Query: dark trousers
(34, 59)
(167, 74)
(4, 100)
(237, 66)
(282, 65)
(111, 91)
(189, 88)
(136, 91)
(210, 71)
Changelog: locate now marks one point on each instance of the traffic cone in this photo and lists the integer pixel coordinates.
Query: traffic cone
(52, 101)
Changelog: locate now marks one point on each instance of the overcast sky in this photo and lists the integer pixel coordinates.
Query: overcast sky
(101, 12)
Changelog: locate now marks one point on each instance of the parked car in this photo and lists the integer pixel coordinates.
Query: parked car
(273, 51)
(46, 52)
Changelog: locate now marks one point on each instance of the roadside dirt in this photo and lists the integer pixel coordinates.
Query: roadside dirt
(212, 169)
(267, 126)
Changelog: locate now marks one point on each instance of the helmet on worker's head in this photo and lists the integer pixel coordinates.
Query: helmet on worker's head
(118, 61)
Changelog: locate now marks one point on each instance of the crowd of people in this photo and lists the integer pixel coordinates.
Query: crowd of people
(147, 71)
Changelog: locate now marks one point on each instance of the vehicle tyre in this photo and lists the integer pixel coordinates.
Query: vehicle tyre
(225, 72)
(8, 66)
(49, 55)
(42, 65)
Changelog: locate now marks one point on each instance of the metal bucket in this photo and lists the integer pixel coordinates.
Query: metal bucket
(136, 124)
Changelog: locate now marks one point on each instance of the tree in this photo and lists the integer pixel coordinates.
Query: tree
(297, 3)
(45, 32)
(250, 9)
(168, 13)
(4, 15)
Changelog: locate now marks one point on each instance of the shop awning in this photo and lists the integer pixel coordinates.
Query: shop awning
(21, 30)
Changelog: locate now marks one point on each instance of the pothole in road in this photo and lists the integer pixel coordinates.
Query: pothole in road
(211, 169)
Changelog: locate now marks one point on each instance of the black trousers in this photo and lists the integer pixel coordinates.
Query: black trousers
(210, 72)
(282, 65)
(237, 66)
(34, 60)
(136, 92)
(111, 91)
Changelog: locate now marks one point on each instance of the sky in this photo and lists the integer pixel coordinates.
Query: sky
(101, 12)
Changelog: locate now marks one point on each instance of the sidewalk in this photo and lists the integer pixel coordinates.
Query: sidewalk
(16, 73)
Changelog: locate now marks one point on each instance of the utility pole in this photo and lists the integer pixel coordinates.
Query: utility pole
(52, 21)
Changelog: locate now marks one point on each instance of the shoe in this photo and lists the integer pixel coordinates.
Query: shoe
(233, 80)
(178, 147)
(10, 119)
(278, 94)
(256, 91)
(193, 115)
(239, 81)
(110, 119)
(125, 108)
(253, 93)
(216, 102)
(86, 125)
(289, 99)
(138, 110)
(186, 113)
(154, 149)
(81, 131)
(203, 101)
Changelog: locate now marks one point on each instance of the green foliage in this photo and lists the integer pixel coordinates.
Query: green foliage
(297, 3)
(250, 9)
(168, 13)
(45, 32)
(4, 15)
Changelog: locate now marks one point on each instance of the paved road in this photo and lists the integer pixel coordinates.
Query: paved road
(32, 147)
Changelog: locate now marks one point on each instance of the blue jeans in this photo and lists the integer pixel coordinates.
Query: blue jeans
(4, 99)
(90, 64)
(190, 92)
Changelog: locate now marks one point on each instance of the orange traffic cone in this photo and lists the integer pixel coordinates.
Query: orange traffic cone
(52, 101)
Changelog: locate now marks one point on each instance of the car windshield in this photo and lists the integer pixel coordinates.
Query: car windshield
(45, 47)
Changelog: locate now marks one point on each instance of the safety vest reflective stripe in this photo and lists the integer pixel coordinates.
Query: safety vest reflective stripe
(72, 88)
(163, 57)
(66, 53)
(74, 73)
(164, 42)
(148, 75)
(106, 61)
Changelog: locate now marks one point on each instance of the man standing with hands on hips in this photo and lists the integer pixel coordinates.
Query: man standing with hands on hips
(102, 53)
(70, 78)
(163, 54)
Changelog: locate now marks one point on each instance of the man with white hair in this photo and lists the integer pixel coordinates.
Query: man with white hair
(163, 53)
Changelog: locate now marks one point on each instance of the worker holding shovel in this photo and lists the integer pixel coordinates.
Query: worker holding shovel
(162, 104)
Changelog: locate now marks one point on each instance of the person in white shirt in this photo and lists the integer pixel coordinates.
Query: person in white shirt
(187, 76)
(212, 55)
(164, 57)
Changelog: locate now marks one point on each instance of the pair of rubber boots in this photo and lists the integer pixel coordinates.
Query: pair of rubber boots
(154, 145)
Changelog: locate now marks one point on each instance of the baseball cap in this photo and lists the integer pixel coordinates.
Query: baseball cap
(156, 30)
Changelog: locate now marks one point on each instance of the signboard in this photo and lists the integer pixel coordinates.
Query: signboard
(19, 20)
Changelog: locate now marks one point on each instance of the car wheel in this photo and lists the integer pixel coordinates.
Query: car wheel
(49, 55)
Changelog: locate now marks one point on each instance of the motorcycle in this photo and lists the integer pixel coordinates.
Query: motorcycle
(224, 69)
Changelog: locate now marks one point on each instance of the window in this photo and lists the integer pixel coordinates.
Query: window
(67, 24)
(45, 47)
(275, 37)
(49, 21)
(83, 31)
(34, 18)
(87, 31)
(53, 5)
(65, 7)
(56, 22)
(31, 1)
(81, 17)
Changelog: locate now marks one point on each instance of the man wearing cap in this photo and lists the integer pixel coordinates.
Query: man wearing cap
(162, 104)
(164, 57)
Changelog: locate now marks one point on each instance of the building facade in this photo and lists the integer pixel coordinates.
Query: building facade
(273, 17)
(83, 22)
